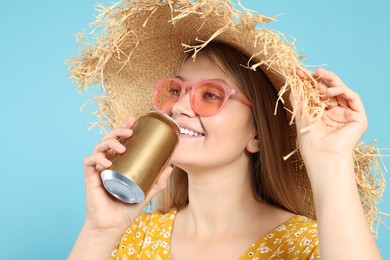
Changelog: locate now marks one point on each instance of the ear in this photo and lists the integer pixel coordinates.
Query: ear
(253, 145)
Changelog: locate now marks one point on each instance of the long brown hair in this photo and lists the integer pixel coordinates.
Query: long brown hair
(271, 176)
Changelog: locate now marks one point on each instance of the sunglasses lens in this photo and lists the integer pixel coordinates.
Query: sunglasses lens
(166, 95)
(207, 99)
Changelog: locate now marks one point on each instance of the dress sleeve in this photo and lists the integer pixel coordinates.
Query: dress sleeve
(307, 240)
(131, 241)
(315, 254)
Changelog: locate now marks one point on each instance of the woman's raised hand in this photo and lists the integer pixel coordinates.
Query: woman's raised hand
(103, 211)
(341, 126)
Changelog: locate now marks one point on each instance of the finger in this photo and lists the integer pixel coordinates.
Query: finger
(314, 76)
(344, 115)
(313, 79)
(118, 133)
(99, 158)
(332, 86)
(326, 80)
(89, 162)
(336, 87)
(100, 167)
(301, 72)
(295, 99)
(336, 114)
(305, 74)
(326, 120)
(321, 75)
(347, 97)
(302, 117)
(106, 145)
(128, 123)
(329, 77)
(295, 102)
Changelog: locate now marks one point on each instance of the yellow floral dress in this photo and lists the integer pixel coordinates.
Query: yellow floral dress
(148, 237)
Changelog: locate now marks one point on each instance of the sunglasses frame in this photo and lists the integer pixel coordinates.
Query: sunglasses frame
(229, 91)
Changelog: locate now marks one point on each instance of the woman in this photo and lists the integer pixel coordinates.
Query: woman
(232, 195)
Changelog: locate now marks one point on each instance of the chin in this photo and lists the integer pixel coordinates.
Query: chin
(183, 163)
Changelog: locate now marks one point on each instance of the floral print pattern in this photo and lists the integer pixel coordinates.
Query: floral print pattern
(148, 237)
(297, 239)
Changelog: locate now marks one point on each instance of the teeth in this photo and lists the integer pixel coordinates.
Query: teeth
(189, 132)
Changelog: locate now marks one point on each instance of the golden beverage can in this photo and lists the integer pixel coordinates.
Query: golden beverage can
(148, 151)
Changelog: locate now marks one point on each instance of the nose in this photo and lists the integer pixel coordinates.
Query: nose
(183, 105)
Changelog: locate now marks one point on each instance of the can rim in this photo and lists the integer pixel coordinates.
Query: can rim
(168, 119)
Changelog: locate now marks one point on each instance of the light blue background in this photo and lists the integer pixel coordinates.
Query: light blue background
(44, 136)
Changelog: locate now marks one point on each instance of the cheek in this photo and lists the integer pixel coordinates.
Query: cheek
(235, 128)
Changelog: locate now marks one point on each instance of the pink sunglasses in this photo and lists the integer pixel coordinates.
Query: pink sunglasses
(207, 97)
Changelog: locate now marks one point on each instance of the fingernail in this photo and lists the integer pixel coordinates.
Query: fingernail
(122, 148)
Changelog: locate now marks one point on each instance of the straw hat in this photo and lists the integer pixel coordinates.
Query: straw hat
(136, 42)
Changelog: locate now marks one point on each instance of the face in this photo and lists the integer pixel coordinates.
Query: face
(216, 141)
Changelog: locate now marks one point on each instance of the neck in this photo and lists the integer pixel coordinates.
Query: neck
(220, 199)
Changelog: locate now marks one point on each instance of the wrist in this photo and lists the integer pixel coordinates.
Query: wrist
(328, 163)
(91, 230)
(330, 171)
(94, 243)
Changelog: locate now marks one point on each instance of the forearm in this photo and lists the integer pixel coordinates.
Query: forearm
(92, 244)
(343, 228)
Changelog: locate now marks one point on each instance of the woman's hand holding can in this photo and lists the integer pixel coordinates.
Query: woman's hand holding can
(105, 214)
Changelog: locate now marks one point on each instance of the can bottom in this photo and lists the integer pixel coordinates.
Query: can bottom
(121, 187)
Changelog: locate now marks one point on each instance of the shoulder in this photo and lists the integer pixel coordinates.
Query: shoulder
(147, 228)
(154, 216)
(299, 226)
(297, 238)
(151, 220)
(300, 231)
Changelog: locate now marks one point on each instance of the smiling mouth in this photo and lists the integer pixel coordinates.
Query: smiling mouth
(185, 131)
